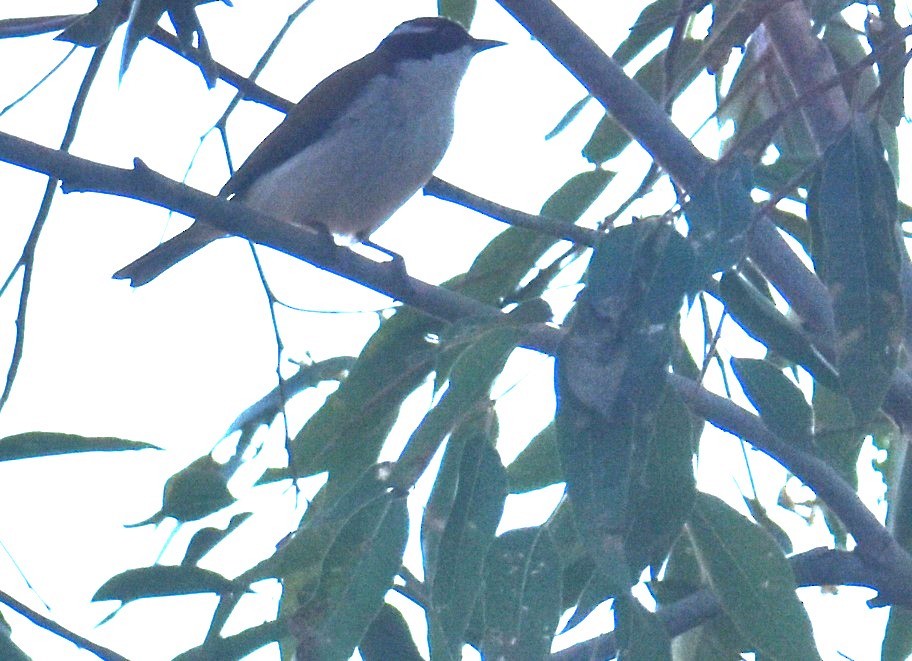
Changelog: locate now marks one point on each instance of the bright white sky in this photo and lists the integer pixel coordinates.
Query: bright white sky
(173, 363)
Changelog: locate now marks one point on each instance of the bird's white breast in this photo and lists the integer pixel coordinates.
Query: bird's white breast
(373, 159)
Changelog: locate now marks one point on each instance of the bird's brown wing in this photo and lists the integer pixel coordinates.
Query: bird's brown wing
(309, 119)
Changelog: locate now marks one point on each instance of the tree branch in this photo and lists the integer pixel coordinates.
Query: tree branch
(875, 543)
(642, 117)
(820, 566)
(549, 226)
(141, 183)
(52, 626)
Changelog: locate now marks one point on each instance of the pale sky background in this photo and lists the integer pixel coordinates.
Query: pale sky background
(174, 362)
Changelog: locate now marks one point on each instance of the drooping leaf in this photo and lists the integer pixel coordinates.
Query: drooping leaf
(470, 382)
(610, 371)
(498, 269)
(45, 444)
(717, 638)
(568, 117)
(356, 573)
(537, 465)
(522, 599)
(344, 437)
(609, 139)
(458, 527)
(897, 642)
(162, 581)
(760, 319)
(719, 213)
(598, 589)
(852, 211)
(8, 649)
(238, 646)
(265, 409)
(749, 574)
(883, 35)
(205, 539)
(652, 21)
(666, 486)
(779, 402)
(640, 634)
(389, 637)
(732, 24)
(842, 41)
(759, 514)
(193, 492)
(298, 560)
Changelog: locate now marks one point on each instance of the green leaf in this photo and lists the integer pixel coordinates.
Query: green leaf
(298, 561)
(841, 39)
(522, 600)
(194, 492)
(458, 527)
(264, 410)
(9, 651)
(666, 486)
(732, 24)
(640, 634)
(469, 384)
(389, 637)
(719, 213)
(897, 642)
(345, 436)
(45, 444)
(760, 319)
(610, 368)
(852, 210)
(598, 589)
(607, 141)
(162, 581)
(538, 465)
(568, 117)
(749, 574)
(505, 262)
(718, 638)
(356, 574)
(780, 402)
(238, 646)
(652, 21)
(461, 11)
(205, 539)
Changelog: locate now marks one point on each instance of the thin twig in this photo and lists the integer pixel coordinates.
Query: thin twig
(22, 97)
(562, 230)
(27, 259)
(58, 629)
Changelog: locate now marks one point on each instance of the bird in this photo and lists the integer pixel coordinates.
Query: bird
(354, 149)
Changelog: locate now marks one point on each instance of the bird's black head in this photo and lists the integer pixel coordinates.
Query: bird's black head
(423, 38)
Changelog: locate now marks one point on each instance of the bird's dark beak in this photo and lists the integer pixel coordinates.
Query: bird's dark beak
(484, 44)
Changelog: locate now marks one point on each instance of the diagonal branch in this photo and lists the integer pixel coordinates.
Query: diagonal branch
(642, 117)
(52, 626)
(141, 183)
(874, 541)
(820, 566)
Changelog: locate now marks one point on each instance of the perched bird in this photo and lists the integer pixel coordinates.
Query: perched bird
(354, 149)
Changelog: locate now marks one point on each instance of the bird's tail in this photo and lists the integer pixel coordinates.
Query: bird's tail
(160, 259)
